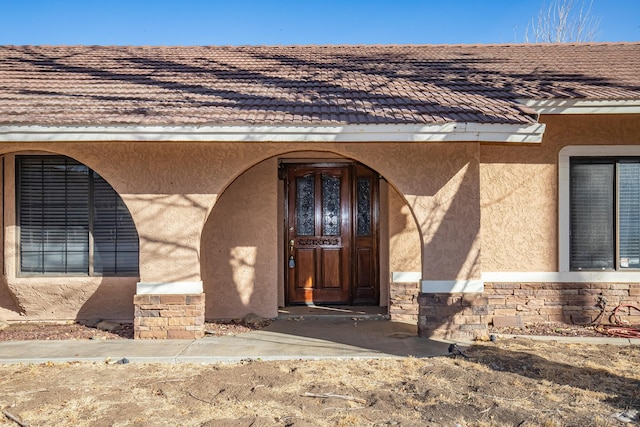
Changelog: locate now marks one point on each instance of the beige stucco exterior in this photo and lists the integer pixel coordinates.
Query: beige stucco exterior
(519, 196)
(240, 246)
(212, 212)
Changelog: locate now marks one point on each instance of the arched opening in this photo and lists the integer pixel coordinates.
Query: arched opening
(244, 245)
(71, 248)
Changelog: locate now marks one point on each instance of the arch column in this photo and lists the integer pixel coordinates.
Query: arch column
(441, 184)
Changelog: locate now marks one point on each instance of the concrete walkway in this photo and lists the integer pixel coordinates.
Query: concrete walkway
(283, 339)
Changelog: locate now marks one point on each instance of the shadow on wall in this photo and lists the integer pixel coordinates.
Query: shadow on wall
(166, 248)
(112, 300)
(404, 236)
(9, 307)
(66, 297)
(239, 247)
(451, 250)
(404, 254)
(62, 299)
(452, 226)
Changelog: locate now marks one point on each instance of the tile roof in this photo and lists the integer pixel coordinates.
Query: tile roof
(305, 85)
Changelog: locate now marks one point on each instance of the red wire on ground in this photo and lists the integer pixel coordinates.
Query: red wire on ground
(617, 329)
(620, 331)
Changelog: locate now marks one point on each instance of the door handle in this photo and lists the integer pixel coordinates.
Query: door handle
(292, 260)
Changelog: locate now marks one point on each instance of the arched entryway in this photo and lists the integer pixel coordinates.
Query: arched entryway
(245, 251)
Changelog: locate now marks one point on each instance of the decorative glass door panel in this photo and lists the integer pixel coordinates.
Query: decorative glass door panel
(331, 207)
(305, 205)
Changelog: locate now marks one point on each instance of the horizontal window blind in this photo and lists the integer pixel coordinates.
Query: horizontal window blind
(592, 215)
(53, 215)
(114, 234)
(629, 214)
(62, 206)
(605, 213)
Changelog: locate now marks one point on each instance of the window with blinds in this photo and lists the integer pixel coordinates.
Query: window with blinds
(604, 213)
(71, 220)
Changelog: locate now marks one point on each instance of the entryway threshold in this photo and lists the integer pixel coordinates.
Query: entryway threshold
(333, 312)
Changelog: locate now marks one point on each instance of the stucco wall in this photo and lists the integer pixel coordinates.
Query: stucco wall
(440, 182)
(519, 191)
(9, 308)
(170, 188)
(74, 298)
(239, 247)
(404, 237)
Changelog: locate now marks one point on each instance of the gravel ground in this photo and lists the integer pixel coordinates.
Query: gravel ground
(77, 331)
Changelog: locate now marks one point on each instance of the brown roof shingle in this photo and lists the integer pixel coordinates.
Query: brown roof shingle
(304, 85)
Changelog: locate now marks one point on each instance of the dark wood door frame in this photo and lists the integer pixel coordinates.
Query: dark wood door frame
(332, 269)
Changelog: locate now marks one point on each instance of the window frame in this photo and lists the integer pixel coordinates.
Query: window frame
(564, 208)
(91, 240)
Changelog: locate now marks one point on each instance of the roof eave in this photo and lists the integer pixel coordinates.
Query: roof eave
(447, 132)
(583, 106)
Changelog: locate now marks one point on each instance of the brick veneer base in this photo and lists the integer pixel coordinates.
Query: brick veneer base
(467, 315)
(560, 302)
(403, 302)
(169, 316)
(453, 315)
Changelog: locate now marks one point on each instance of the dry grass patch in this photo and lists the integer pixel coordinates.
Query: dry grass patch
(514, 382)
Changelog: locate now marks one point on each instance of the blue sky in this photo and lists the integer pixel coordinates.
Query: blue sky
(287, 22)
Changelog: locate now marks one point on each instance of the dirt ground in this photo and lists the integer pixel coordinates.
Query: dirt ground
(110, 331)
(105, 330)
(512, 382)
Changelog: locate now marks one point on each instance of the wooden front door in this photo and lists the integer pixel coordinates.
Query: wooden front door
(331, 229)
